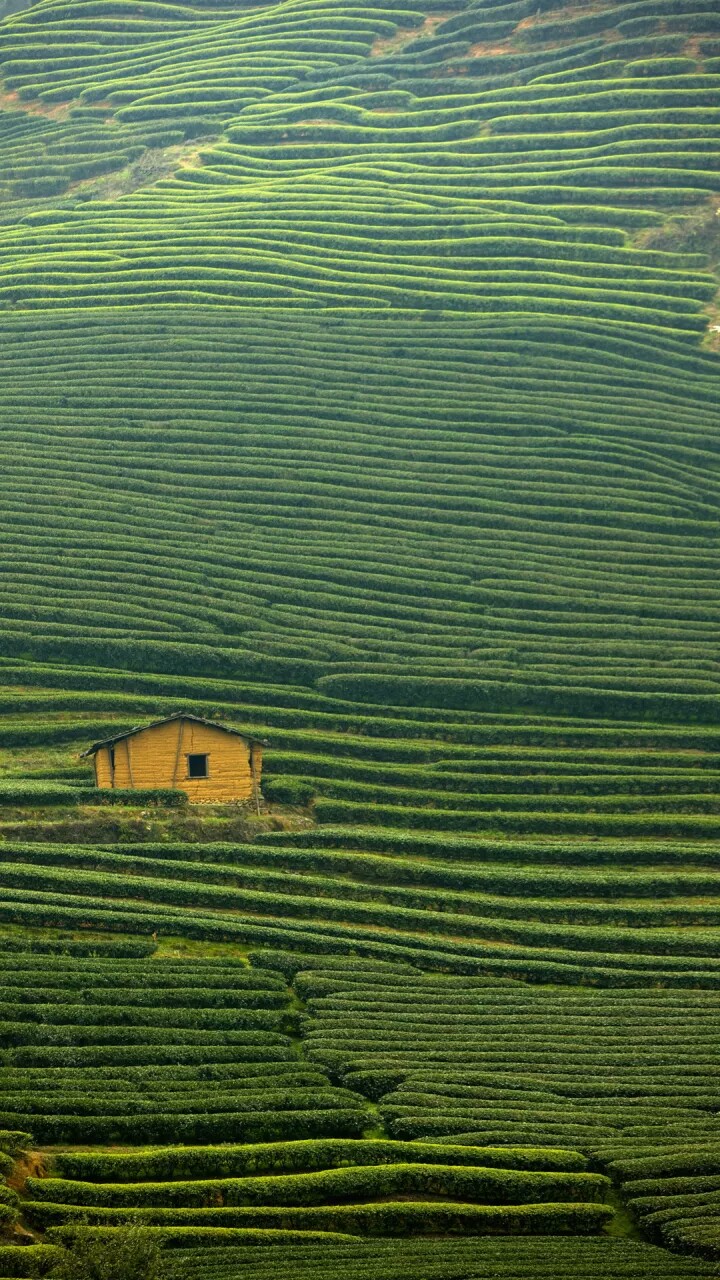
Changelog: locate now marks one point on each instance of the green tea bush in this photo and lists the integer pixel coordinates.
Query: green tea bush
(39, 793)
(150, 1011)
(335, 1186)
(29, 1260)
(581, 1067)
(228, 1161)
(165, 1125)
(377, 419)
(401, 1217)
(487, 1257)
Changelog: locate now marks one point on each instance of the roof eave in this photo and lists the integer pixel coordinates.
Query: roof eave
(178, 715)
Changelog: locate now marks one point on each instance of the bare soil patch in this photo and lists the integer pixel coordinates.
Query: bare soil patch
(13, 102)
(405, 35)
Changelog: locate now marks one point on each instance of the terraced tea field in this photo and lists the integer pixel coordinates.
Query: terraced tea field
(410, 511)
(360, 390)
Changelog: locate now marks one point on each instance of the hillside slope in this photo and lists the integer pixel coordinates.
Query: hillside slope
(414, 328)
(360, 388)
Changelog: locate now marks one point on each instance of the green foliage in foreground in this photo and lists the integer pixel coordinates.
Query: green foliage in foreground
(29, 1260)
(485, 1258)
(53, 793)
(131, 1254)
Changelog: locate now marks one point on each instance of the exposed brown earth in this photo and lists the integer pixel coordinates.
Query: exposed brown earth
(405, 35)
(13, 102)
(566, 12)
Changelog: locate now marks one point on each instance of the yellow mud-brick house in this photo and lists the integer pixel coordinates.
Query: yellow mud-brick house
(208, 761)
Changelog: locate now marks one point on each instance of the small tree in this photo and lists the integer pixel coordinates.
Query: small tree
(128, 1252)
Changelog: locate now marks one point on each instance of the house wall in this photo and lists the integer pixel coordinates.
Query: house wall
(103, 770)
(157, 757)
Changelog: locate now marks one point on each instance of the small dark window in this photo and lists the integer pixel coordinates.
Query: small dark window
(197, 766)
(112, 757)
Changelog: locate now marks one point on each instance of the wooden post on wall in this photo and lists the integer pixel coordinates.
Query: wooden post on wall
(256, 788)
(181, 730)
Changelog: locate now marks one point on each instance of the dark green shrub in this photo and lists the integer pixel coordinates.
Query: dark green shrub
(130, 1253)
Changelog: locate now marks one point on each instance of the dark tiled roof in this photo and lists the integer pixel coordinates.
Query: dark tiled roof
(178, 715)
